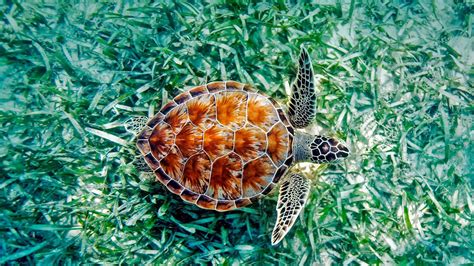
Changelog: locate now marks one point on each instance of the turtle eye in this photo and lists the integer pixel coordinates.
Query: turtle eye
(326, 150)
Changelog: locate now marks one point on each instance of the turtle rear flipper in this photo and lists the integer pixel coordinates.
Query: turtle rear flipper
(302, 108)
(294, 192)
(140, 164)
(136, 124)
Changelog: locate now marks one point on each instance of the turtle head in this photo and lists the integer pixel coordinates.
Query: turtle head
(328, 150)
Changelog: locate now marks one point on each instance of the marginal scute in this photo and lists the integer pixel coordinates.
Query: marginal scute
(226, 178)
(143, 146)
(218, 141)
(255, 198)
(202, 111)
(257, 175)
(273, 101)
(189, 140)
(250, 142)
(168, 107)
(279, 173)
(151, 161)
(242, 202)
(231, 108)
(206, 202)
(155, 120)
(248, 88)
(189, 196)
(161, 176)
(174, 187)
(161, 140)
(290, 144)
(216, 86)
(181, 98)
(261, 112)
(198, 90)
(145, 134)
(289, 161)
(278, 143)
(196, 174)
(234, 85)
(225, 205)
(283, 119)
(268, 189)
(290, 130)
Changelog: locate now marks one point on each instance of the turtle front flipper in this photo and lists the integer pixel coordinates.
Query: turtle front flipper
(302, 109)
(140, 164)
(136, 124)
(294, 192)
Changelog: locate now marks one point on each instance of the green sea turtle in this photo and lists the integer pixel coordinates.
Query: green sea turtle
(223, 145)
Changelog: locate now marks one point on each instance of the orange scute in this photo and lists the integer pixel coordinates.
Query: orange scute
(197, 172)
(177, 117)
(231, 108)
(220, 146)
(215, 86)
(257, 175)
(189, 196)
(234, 85)
(278, 139)
(225, 205)
(189, 140)
(250, 142)
(202, 111)
(173, 163)
(226, 178)
(161, 140)
(218, 141)
(206, 202)
(261, 112)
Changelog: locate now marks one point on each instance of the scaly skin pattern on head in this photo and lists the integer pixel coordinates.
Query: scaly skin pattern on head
(318, 149)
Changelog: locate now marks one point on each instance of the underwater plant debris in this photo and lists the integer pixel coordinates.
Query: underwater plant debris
(395, 83)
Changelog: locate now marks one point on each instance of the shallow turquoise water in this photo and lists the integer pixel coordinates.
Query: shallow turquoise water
(394, 85)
